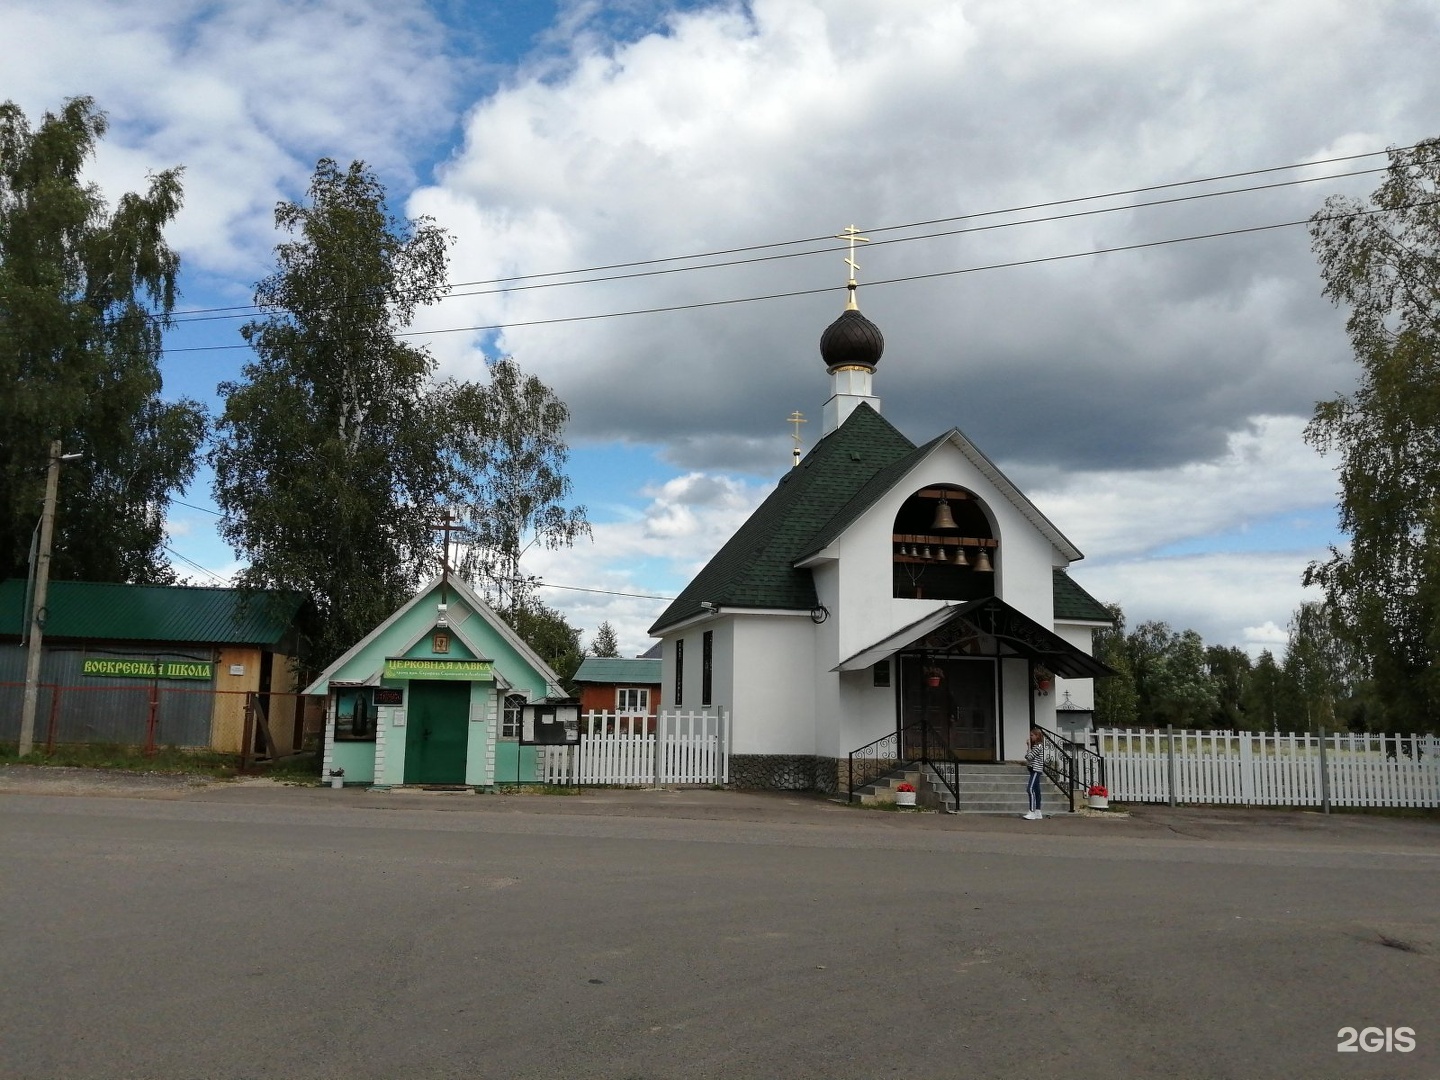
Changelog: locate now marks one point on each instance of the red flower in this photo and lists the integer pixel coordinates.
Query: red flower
(905, 787)
(1101, 790)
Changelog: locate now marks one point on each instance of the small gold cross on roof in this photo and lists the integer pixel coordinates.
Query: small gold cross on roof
(797, 418)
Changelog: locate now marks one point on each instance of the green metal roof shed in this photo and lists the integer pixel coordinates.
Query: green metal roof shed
(96, 611)
(602, 669)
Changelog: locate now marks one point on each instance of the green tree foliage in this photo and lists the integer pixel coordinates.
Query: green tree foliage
(1178, 688)
(515, 501)
(1382, 260)
(1229, 671)
(85, 294)
(1315, 668)
(1117, 703)
(1265, 694)
(336, 447)
(605, 642)
(338, 451)
(550, 634)
(1145, 646)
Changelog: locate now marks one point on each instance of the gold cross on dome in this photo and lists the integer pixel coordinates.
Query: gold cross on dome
(852, 234)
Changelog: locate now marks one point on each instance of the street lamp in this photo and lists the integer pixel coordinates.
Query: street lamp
(37, 605)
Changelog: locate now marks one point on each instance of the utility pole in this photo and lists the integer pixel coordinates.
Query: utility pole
(37, 606)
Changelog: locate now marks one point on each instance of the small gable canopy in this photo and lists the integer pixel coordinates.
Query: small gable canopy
(1022, 635)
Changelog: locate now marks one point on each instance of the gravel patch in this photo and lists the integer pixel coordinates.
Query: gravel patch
(120, 783)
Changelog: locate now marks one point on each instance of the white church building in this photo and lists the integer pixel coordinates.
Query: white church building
(882, 588)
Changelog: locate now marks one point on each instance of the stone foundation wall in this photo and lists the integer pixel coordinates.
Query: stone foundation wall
(786, 772)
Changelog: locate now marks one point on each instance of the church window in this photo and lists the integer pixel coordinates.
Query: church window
(707, 667)
(511, 717)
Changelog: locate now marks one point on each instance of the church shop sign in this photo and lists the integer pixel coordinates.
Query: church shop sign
(467, 670)
(147, 669)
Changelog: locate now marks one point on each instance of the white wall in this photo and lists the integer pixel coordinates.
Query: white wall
(1015, 696)
(866, 606)
(775, 707)
(867, 712)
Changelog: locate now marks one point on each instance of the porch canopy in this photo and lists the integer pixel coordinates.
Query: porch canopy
(1015, 634)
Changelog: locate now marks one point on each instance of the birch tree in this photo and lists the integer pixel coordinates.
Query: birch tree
(333, 455)
(1381, 260)
(85, 295)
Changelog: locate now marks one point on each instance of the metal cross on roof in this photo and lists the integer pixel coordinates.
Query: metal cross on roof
(852, 234)
(797, 418)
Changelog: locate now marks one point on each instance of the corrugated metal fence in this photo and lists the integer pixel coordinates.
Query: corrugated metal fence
(1267, 769)
(153, 714)
(672, 748)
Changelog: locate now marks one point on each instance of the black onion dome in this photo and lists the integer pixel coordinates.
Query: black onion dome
(852, 340)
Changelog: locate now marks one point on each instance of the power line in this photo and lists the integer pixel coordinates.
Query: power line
(794, 293)
(247, 310)
(452, 294)
(603, 592)
(202, 509)
(193, 563)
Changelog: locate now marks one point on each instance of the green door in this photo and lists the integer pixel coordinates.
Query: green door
(436, 732)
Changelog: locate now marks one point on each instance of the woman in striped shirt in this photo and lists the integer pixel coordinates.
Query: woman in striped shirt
(1035, 761)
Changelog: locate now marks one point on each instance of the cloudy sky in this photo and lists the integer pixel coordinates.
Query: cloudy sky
(1150, 400)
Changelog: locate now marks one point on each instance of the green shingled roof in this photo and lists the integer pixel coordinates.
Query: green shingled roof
(870, 492)
(838, 481)
(618, 669)
(179, 613)
(755, 568)
(1073, 602)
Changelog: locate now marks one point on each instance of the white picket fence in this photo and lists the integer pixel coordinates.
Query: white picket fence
(617, 748)
(1263, 769)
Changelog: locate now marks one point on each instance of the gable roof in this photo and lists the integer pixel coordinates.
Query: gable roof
(1074, 604)
(990, 615)
(755, 568)
(883, 482)
(108, 611)
(618, 669)
(476, 604)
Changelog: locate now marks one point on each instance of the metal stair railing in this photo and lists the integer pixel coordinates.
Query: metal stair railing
(898, 748)
(943, 762)
(1069, 766)
(875, 759)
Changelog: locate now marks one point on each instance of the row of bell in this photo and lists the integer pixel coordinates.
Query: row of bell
(916, 551)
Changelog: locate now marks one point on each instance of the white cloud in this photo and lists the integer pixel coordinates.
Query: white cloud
(1230, 599)
(1265, 470)
(245, 96)
(685, 522)
(791, 118)
(1269, 636)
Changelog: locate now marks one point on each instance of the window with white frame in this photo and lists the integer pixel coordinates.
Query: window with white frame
(633, 700)
(512, 716)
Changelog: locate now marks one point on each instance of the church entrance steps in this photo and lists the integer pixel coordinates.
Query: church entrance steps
(984, 789)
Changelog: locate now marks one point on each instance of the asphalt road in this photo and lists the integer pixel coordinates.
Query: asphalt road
(226, 931)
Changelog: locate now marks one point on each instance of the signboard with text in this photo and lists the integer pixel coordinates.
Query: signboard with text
(467, 670)
(115, 668)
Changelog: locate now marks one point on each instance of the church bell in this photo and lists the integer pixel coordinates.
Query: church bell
(943, 518)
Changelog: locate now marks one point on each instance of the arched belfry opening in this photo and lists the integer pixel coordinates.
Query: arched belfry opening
(943, 546)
